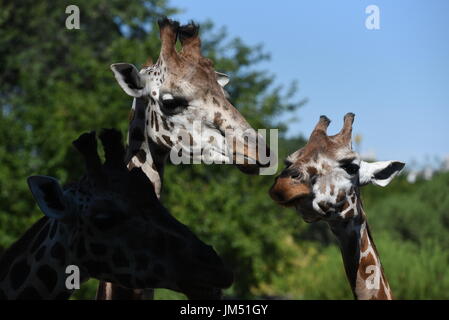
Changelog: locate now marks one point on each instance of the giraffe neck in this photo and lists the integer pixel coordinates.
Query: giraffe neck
(360, 257)
(35, 266)
(143, 151)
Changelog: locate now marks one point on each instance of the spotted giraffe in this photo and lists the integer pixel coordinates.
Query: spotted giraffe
(169, 96)
(322, 181)
(112, 226)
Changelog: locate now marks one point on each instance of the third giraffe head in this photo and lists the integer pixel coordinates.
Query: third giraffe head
(118, 231)
(187, 106)
(322, 179)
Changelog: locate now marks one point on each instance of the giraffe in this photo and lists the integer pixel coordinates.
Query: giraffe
(169, 97)
(182, 88)
(322, 181)
(113, 227)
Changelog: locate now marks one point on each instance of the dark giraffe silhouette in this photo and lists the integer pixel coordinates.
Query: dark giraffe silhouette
(112, 226)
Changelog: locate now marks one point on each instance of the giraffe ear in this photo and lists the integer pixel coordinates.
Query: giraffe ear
(379, 173)
(222, 78)
(49, 196)
(129, 79)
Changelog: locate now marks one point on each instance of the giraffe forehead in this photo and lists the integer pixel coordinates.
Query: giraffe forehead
(189, 76)
(316, 164)
(323, 157)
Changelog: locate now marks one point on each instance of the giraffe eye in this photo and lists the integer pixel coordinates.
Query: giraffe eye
(173, 105)
(287, 163)
(351, 168)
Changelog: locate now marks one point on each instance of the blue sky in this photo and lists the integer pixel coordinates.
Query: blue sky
(396, 79)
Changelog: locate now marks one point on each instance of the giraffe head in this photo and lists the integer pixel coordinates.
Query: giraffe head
(188, 108)
(322, 179)
(117, 230)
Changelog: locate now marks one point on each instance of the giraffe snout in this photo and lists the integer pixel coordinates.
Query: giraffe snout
(286, 189)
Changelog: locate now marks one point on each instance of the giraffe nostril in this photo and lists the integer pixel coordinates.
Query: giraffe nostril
(277, 196)
(324, 206)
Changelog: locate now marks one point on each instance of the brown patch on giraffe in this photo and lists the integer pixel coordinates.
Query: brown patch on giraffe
(365, 262)
(156, 123)
(159, 142)
(152, 119)
(218, 121)
(167, 140)
(141, 156)
(345, 206)
(341, 196)
(131, 165)
(153, 165)
(312, 171)
(332, 191)
(164, 124)
(349, 214)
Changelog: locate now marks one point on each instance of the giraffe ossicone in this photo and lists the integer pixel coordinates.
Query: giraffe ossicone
(113, 227)
(322, 181)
